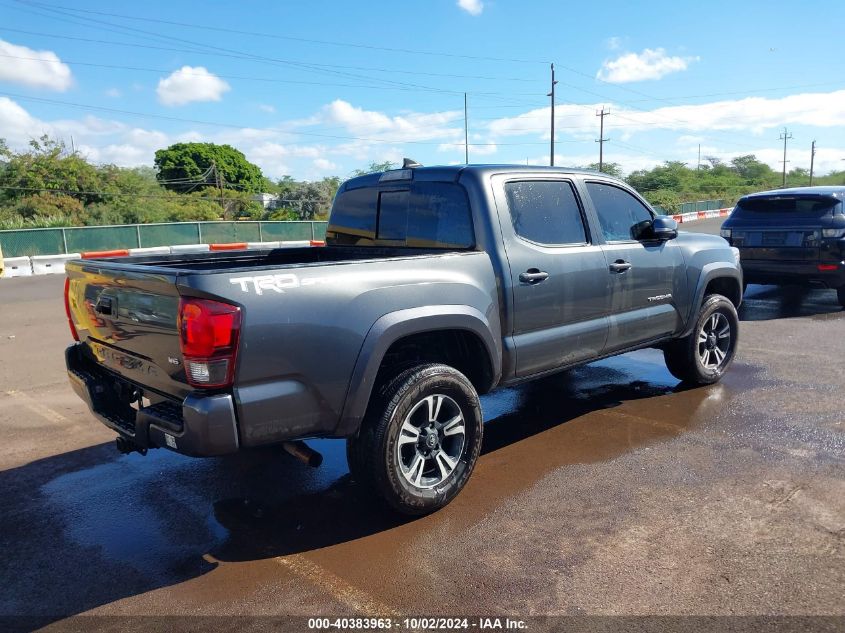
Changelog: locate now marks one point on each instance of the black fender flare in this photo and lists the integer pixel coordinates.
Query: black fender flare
(711, 271)
(393, 326)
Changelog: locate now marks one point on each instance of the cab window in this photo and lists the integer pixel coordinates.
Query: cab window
(620, 213)
(545, 212)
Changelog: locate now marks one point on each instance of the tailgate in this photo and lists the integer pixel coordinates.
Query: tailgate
(128, 320)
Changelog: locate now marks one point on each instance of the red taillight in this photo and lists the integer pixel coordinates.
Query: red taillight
(208, 336)
(73, 331)
(827, 267)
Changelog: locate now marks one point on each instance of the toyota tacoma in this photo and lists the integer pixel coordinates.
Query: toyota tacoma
(435, 285)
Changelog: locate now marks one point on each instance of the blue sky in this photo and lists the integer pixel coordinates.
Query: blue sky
(322, 88)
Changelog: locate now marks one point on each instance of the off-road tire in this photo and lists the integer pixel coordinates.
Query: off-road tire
(684, 356)
(373, 455)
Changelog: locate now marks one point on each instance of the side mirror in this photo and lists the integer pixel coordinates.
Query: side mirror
(662, 228)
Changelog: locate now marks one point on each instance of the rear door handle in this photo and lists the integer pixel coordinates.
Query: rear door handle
(620, 266)
(533, 276)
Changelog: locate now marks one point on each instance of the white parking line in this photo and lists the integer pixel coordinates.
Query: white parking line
(335, 586)
(51, 415)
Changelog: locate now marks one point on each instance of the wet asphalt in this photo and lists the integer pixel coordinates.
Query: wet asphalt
(609, 489)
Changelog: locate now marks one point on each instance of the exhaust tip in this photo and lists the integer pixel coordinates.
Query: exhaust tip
(304, 453)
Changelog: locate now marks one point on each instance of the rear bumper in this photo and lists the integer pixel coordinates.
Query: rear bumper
(761, 271)
(199, 426)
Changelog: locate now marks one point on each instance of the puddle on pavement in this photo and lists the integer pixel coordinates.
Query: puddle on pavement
(163, 512)
(763, 303)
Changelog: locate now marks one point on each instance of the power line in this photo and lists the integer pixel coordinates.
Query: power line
(238, 77)
(238, 127)
(55, 13)
(292, 38)
(203, 48)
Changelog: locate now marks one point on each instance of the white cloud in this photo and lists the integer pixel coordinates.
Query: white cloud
(751, 114)
(324, 164)
(411, 126)
(473, 7)
(266, 107)
(41, 69)
(114, 93)
(673, 134)
(613, 43)
(686, 139)
(190, 84)
(650, 64)
(480, 148)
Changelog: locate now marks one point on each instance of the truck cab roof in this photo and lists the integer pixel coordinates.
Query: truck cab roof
(451, 173)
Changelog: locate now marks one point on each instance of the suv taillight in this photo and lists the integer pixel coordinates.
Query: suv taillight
(208, 336)
(73, 331)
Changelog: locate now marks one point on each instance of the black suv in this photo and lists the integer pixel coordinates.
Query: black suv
(791, 236)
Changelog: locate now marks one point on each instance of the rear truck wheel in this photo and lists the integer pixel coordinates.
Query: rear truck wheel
(840, 294)
(703, 357)
(419, 440)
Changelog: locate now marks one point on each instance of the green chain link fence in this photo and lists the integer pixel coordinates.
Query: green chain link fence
(28, 242)
(692, 207)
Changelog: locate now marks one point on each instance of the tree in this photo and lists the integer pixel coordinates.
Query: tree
(611, 169)
(307, 200)
(750, 168)
(304, 200)
(48, 165)
(187, 167)
(374, 168)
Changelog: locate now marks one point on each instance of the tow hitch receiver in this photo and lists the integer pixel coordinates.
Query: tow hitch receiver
(126, 446)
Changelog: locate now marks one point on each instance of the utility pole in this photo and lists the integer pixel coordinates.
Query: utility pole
(466, 132)
(552, 95)
(812, 160)
(785, 136)
(698, 164)
(601, 140)
(218, 181)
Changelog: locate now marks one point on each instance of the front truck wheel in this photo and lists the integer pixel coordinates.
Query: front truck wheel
(419, 440)
(703, 357)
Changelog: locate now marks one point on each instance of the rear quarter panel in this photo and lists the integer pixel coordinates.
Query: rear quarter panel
(304, 329)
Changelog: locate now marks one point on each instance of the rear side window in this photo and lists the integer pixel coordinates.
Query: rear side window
(620, 213)
(423, 215)
(353, 217)
(545, 212)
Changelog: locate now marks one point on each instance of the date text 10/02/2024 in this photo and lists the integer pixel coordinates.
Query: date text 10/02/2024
(447, 624)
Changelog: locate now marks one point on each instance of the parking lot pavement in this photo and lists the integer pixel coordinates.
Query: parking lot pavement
(609, 489)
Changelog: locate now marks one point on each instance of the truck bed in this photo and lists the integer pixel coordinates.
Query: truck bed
(213, 262)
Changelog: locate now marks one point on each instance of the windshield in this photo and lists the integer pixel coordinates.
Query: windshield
(804, 205)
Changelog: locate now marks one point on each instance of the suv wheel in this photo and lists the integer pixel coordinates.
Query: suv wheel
(840, 294)
(420, 439)
(703, 357)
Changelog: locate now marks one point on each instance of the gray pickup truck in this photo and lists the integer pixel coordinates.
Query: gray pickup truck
(436, 284)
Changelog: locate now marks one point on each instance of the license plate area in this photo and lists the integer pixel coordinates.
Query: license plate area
(773, 238)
